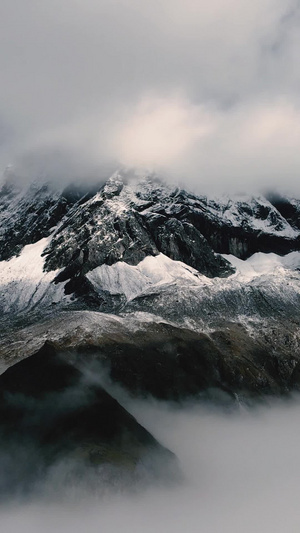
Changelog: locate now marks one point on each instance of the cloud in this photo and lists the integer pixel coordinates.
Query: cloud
(159, 132)
(241, 474)
(206, 92)
(208, 147)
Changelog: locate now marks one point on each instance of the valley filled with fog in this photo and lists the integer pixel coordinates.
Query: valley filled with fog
(239, 474)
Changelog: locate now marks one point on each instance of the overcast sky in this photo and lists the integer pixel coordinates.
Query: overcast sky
(207, 92)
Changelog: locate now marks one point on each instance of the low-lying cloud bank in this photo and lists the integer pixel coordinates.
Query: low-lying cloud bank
(203, 93)
(241, 474)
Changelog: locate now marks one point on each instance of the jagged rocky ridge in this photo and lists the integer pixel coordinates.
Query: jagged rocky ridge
(129, 221)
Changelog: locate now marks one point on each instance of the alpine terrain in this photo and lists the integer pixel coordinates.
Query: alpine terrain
(165, 293)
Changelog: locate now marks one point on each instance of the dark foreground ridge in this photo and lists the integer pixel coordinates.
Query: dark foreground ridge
(176, 364)
(54, 422)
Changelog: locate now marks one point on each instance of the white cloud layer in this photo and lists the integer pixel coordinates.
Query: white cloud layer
(241, 473)
(204, 92)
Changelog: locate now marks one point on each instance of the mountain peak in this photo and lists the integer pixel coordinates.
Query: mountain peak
(130, 218)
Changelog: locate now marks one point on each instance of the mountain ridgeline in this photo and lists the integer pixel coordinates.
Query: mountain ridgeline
(129, 220)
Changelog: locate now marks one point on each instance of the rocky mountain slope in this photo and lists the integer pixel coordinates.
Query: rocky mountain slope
(133, 254)
(103, 248)
(164, 292)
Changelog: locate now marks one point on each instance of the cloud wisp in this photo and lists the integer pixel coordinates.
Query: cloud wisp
(241, 474)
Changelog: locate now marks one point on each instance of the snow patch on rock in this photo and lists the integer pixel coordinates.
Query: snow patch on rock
(153, 271)
(263, 264)
(255, 212)
(23, 282)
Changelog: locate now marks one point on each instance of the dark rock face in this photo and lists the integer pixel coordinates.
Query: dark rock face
(101, 234)
(289, 208)
(244, 239)
(50, 414)
(181, 241)
(230, 225)
(27, 218)
(126, 223)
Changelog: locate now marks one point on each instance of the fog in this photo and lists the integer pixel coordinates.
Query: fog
(205, 93)
(240, 473)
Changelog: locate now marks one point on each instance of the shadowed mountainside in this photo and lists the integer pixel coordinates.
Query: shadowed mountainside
(52, 418)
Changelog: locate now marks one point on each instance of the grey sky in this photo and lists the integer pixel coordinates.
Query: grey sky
(206, 92)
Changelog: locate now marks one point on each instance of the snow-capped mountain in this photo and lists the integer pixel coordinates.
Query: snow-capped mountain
(84, 239)
(151, 256)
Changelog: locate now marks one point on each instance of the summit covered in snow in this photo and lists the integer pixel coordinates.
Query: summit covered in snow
(101, 247)
(168, 272)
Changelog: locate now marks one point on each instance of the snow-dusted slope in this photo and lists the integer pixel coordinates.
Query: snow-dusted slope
(151, 273)
(256, 213)
(264, 264)
(27, 214)
(154, 272)
(263, 285)
(24, 284)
